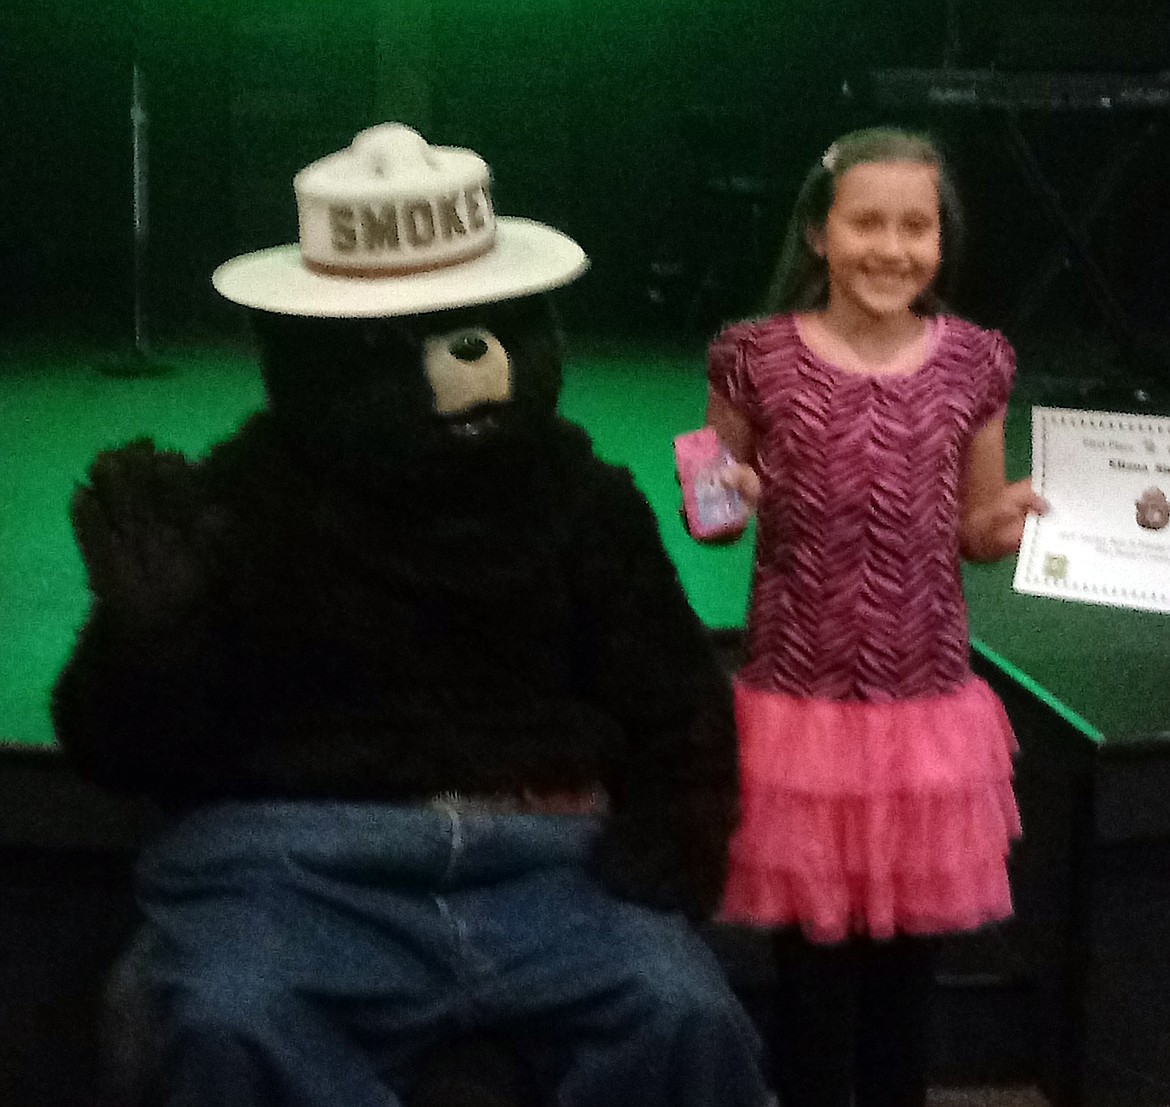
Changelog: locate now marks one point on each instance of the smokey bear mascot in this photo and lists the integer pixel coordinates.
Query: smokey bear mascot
(446, 760)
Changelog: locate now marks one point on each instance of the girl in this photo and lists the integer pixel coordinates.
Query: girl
(877, 799)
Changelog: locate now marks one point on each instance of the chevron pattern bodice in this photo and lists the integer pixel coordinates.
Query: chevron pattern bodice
(856, 591)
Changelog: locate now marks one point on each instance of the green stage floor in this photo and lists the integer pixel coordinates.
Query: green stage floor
(1101, 667)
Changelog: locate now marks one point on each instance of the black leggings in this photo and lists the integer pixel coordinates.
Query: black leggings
(852, 1022)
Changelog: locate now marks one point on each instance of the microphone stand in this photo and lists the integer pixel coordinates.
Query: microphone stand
(140, 360)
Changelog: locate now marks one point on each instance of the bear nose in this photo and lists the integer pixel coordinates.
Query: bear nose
(468, 347)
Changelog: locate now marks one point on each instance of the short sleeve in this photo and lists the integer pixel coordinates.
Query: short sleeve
(727, 363)
(998, 373)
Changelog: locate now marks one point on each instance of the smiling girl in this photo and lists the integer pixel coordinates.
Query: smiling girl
(876, 768)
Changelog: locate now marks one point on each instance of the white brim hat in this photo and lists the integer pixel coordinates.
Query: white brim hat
(392, 226)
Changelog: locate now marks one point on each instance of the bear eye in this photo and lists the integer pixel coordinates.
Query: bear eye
(468, 347)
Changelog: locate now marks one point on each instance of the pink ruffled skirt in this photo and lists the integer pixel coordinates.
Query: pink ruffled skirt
(873, 818)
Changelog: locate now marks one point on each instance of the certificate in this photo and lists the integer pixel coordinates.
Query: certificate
(1106, 537)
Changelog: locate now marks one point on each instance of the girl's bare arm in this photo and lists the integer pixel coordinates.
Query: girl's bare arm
(736, 433)
(992, 510)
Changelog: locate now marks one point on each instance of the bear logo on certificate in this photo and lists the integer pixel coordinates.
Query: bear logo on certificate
(1153, 509)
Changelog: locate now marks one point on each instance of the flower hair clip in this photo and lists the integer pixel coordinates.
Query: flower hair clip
(829, 158)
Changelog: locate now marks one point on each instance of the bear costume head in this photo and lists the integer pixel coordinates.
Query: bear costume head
(400, 396)
(404, 266)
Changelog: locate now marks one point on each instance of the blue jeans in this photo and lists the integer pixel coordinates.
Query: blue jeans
(303, 954)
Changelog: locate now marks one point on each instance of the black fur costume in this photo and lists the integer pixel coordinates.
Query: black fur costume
(355, 598)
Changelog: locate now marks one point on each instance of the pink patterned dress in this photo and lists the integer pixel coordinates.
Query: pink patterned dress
(876, 768)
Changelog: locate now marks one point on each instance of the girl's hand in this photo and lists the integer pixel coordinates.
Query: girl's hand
(744, 480)
(995, 529)
(739, 478)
